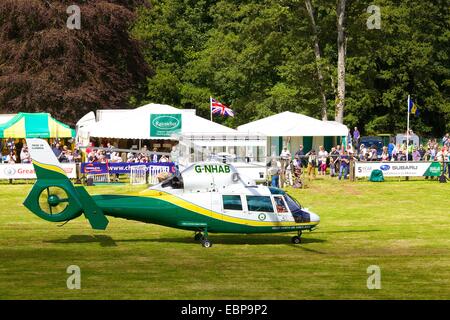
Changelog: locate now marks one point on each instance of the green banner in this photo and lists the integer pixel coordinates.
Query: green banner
(434, 170)
(165, 125)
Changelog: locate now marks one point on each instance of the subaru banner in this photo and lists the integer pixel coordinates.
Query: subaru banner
(399, 169)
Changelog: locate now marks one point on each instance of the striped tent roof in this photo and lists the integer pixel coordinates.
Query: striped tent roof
(35, 125)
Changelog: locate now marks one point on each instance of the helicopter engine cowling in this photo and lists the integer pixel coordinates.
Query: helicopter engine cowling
(207, 176)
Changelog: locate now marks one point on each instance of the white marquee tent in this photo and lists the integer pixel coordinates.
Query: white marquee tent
(135, 124)
(289, 128)
(290, 124)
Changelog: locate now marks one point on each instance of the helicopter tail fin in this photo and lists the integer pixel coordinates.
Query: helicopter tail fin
(53, 196)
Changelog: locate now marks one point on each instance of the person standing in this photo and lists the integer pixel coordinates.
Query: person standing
(362, 152)
(285, 159)
(356, 138)
(11, 145)
(345, 164)
(334, 155)
(312, 163)
(300, 155)
(154, 157)
(56, 150)
(416, 155)
(11, 157)
(323, 155)
(274, 171)
(385, 154)
(175, 157)
(25, 155)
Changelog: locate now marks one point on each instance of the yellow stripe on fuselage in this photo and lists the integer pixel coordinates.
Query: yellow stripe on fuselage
(49, 167)
(164, 196)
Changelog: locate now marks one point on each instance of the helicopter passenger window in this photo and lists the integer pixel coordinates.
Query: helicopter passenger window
(232, 203)
(259, 203)
(280, 205)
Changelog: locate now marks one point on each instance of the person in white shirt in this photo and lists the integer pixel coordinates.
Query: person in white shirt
(323, 155)
(25, 155)
(285, 154)
(11, 158)
(285, 159)
(274, 171)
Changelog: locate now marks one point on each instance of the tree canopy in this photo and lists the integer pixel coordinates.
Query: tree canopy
(44, 66)
(258, 57)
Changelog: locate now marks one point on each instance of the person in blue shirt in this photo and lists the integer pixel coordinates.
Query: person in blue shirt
(56, 150)
(356, 137)
(391, 147)
(345, 164)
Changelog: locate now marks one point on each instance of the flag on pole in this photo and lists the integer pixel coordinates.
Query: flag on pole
(412, 108)
(220, 108)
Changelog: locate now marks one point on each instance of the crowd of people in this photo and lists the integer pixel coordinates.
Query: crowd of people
(19, 153)
(110, 154)
(288, 169)
(16, 153)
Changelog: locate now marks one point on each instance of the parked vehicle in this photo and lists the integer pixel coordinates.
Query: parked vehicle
(369, 141)
(413, 139)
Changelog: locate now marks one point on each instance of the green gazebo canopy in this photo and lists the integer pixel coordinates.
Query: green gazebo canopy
(35, 125)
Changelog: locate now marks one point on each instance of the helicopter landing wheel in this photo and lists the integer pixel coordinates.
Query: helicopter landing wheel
(206, 243)
(204, 239)
(296, 240)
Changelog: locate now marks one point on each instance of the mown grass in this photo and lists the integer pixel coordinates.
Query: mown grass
(401, 226)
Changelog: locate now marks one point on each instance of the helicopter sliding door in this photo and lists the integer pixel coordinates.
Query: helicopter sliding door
(260, 208)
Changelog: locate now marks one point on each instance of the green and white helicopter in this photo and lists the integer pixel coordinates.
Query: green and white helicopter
(207, 197)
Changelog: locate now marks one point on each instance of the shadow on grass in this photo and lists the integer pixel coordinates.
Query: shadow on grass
(104, 241)
(347, 231)
(107, 241)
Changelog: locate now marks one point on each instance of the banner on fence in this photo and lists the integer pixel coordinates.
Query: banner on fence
(125, 167)
(26, 171)
(398, 169)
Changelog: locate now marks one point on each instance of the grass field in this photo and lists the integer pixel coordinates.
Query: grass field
(401, 226)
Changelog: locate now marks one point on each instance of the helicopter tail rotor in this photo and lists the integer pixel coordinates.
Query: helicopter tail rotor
(53, 197)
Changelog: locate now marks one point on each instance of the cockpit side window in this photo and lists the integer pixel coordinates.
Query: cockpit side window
(232, 203)
(259, 204)
(280, 205)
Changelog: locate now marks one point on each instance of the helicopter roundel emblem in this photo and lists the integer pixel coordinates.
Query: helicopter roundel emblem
(262, 217)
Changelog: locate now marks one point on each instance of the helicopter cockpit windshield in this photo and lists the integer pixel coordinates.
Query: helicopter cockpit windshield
(296, 210)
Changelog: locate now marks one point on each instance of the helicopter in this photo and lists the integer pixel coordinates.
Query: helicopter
(206, 197)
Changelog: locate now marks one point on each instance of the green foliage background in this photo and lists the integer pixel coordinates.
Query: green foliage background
(257, 57)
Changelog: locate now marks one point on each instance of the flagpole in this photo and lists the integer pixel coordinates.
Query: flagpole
(210, 107)
(407, 130)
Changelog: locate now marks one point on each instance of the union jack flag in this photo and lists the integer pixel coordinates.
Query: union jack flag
(220, 108)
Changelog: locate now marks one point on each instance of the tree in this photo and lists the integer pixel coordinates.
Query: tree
(318, 56)
(45, 67)
(342, 51)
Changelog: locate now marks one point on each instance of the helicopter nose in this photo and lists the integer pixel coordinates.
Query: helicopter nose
(314, 217)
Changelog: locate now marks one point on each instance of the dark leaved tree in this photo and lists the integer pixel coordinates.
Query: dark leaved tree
(46, 67)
